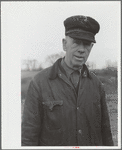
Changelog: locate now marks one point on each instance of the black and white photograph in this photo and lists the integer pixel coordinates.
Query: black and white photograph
(61, 79)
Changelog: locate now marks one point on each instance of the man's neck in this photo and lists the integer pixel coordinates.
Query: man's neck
(73, 67)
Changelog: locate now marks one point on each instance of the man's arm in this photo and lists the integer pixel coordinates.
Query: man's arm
(106, 128)
(31, 123)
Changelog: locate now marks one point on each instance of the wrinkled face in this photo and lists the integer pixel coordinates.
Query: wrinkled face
(77, 51)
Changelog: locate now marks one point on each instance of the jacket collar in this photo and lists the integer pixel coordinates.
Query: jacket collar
(85, 72)
(55, 68)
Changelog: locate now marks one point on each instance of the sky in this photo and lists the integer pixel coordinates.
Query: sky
(35, 29)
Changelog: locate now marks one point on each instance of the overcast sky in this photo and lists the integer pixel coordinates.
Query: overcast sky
(36, 28)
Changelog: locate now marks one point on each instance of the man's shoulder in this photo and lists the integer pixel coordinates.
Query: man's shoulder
(95, 77)
(42, 75)
(97, 82)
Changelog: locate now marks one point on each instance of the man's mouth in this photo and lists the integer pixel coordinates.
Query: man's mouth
(79, 57)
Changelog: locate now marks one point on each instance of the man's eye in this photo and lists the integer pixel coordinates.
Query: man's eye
(77, 41)
(87, 43)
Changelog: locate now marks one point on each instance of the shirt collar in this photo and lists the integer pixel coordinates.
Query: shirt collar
(54, 70)
(68, 70)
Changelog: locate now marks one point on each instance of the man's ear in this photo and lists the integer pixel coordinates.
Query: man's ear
(64, 44)
(92, 44)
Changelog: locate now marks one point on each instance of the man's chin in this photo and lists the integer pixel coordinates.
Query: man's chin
(77, 66)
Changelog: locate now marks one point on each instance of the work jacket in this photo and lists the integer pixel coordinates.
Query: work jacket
(56, 115)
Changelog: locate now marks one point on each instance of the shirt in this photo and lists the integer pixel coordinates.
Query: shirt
(72, 75)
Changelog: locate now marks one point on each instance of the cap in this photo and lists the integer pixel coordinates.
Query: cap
(81, 27)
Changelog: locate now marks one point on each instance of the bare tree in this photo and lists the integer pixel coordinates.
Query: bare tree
(108, 64)
(30, 64)
(91, 65)
(26, 64)
(34, 64)
(52, 58)
(88, 64)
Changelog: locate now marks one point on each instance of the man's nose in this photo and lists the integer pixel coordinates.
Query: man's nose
(81, 48)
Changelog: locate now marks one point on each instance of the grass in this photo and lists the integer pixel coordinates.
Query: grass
(112, 103)
(111, 97)
(26, 77)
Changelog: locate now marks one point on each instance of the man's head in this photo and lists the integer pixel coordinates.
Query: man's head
(80, 35)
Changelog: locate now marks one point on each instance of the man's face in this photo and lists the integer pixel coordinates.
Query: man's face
(77, 51)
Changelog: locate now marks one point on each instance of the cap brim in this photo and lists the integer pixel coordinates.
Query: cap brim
(82, 35)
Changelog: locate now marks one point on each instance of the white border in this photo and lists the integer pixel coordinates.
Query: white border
(11, 98)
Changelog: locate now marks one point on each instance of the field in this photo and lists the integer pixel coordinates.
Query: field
(110, 85)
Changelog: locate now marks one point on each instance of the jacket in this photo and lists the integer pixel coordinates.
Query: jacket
(55, 115)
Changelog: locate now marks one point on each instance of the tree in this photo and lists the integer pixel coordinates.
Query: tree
(108, 64)
(90, 65)
(30, 64)
(52, 58)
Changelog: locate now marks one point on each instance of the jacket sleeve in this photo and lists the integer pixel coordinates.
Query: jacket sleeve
(31, 121)
(105, 127)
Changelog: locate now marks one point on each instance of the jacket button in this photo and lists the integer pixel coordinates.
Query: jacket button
(79, 131)
(77, 108)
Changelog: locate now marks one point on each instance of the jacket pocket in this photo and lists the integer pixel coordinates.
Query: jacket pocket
(53, 114)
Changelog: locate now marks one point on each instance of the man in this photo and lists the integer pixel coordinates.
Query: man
(65, 104)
